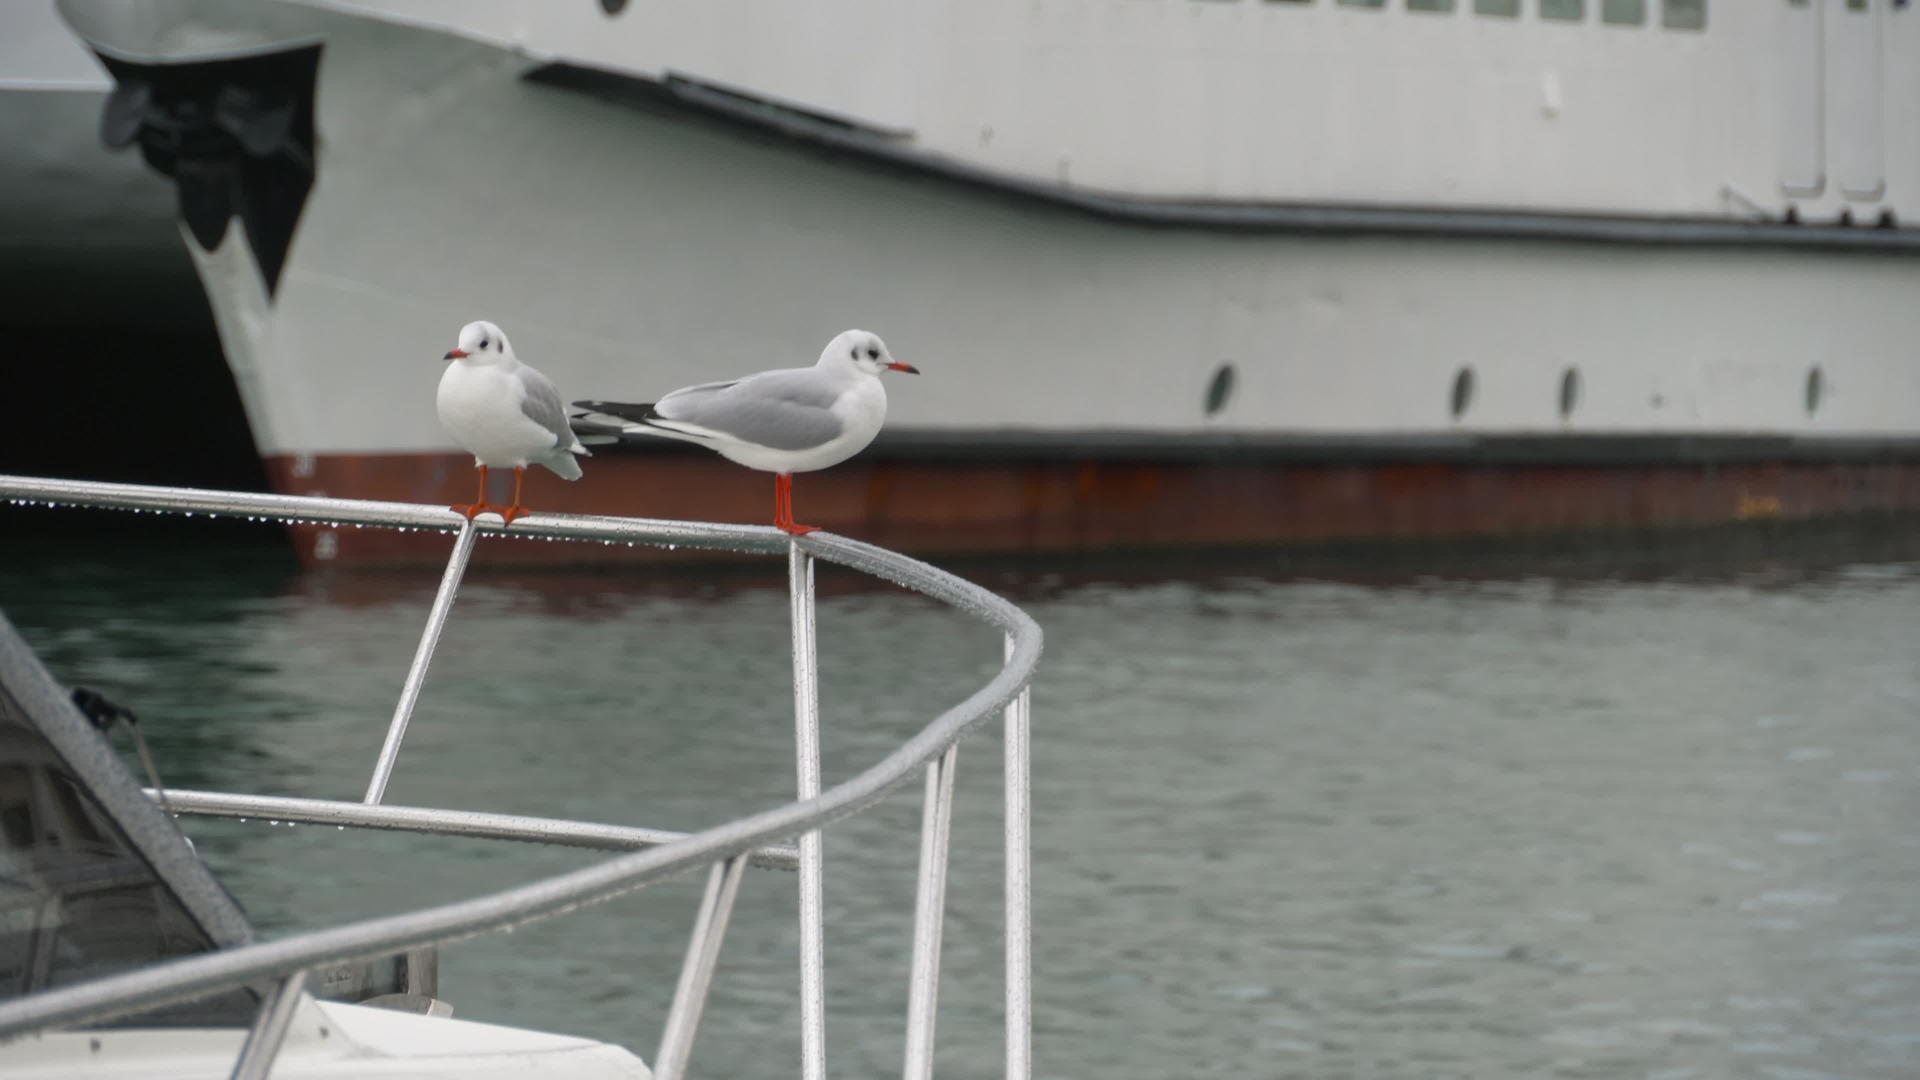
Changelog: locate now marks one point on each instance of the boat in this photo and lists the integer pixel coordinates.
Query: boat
(1179, 272)
(124, 955)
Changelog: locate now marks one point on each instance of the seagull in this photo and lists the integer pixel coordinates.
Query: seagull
(783, 422)
(505, 414)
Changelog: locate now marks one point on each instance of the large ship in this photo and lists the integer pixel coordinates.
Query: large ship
(1178, 272)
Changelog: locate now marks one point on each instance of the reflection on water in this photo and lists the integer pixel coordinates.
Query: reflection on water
(1509, 828)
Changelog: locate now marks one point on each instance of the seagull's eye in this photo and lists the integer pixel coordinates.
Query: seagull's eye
(483, 343)
(873, 353)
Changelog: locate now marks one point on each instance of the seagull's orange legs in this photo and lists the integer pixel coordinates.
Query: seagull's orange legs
(783, 506)
(480, 505)
(516, 510)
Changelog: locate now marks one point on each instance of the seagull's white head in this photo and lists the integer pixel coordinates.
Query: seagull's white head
(863, 351)
(481, 343)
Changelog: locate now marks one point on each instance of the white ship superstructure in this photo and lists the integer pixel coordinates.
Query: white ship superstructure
(1637, 108)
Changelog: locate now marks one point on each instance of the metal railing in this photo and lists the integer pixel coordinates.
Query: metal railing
(727, 849)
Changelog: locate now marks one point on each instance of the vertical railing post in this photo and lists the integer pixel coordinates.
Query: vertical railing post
(696, 971)
(422, 964)
(422, 656)
(269, 1029)
(929, 915)
(1019, 884)
(806, 721)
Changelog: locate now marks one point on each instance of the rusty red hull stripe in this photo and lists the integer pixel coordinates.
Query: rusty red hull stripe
(958, 506)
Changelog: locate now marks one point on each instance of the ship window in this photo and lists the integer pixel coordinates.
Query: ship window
(1856, 5)
(1623, 12)
(1429, 5)
(1570, 10)
(1462, 395)
(1569, 391)
(1219, 390)
(1684, 14)
(1508, 8)
(1363, 3)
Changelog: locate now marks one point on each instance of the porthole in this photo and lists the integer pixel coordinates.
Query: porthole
(1569, 391)
(1816, 388)
(1462, 391)
(613, 7)
(1219, 390)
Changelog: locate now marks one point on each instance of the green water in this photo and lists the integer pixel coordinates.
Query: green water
(1504, 828)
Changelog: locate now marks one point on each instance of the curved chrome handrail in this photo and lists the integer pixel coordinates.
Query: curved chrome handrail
(288, 958)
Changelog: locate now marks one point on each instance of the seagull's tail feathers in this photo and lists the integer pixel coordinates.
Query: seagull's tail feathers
(563, 463)
(612, 421)
(618, 411)
(597, 428)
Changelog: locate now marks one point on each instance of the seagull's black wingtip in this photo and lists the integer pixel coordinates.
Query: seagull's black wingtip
(638, 412)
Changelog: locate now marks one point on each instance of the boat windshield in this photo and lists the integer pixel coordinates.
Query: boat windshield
(77, 900)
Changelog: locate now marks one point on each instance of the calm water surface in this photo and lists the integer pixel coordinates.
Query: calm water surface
(1481, 829)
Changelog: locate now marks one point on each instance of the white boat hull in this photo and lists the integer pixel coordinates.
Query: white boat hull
(327, 1041)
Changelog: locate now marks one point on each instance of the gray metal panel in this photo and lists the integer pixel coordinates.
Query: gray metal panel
(47, 707)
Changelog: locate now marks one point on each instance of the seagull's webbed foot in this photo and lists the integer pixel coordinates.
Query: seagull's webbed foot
(474, 510)
(508, 513)
(479, 505)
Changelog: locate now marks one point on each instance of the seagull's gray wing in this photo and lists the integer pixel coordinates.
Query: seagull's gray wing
(783, 410)
(542, 405)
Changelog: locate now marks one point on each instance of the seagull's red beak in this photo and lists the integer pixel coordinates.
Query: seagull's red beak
(908, 368)
(455, 354)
